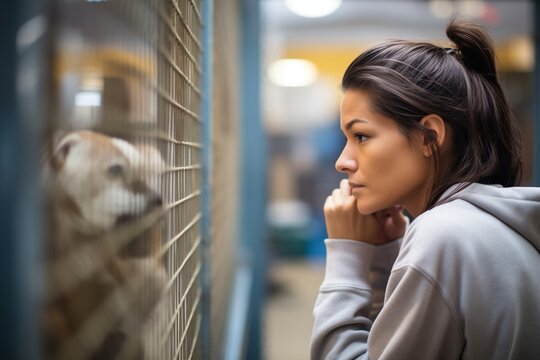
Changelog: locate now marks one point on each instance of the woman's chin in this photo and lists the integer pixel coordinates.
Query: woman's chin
(365, 209)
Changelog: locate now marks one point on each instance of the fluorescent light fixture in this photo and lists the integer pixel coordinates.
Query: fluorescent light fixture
(473, 8)
(292, 72)
(313, 8)
(442, 8)
(469, 8)
(88, 98)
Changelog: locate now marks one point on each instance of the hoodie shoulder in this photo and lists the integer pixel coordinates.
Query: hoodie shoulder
(479, 221)
(443, 225)
(516, 207)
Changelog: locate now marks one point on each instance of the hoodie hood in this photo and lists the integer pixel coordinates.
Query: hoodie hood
(517, 207)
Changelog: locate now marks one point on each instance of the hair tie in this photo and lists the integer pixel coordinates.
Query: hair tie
(453, 51)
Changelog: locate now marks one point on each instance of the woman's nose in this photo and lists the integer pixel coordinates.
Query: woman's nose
(345, 164)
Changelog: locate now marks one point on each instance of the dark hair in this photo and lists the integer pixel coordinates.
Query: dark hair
(409, 80)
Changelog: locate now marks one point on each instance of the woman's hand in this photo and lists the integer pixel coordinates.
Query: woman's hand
(343, 221)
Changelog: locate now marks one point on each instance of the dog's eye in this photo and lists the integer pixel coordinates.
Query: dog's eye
(116, 170)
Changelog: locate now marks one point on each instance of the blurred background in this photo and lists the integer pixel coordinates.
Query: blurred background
(238, 101)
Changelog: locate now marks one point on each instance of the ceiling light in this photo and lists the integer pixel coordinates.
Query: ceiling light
(292, 72)
(313, 8)
(473, 8)
(88, 98)
(442, 8)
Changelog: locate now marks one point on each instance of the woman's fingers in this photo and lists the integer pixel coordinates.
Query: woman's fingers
(328, 204)
(395, 223)
(342, 218)
(342, 195)
(397, 216)
(336, 195)
(345, 188)
(343, 221)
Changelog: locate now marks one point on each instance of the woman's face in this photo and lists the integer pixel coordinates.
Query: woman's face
(384, 167)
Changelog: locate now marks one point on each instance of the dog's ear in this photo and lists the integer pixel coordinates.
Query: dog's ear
(62, 149)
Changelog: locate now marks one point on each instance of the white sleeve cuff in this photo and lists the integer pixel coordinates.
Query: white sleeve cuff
(348, 263)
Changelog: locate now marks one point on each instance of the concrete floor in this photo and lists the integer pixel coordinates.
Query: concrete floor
(289, 307)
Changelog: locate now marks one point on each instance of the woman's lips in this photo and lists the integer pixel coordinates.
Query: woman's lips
(355, 187)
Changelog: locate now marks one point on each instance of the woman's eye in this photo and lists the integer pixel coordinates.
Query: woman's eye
(360, 137)
(116, 170)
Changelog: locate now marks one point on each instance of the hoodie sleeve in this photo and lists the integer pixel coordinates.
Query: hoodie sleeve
(382, 261)
(415, 322)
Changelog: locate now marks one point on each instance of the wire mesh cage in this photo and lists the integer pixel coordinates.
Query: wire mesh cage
(122, 177)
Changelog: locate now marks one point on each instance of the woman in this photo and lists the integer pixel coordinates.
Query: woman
(429, 129)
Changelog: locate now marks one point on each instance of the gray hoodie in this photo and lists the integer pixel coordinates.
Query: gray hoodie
(463, 283)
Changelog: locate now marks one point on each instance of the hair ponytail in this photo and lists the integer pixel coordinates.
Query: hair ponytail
(474, 46)
(497, 156)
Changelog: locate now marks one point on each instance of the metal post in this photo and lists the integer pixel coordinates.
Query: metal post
(206, 172)
(253, 173)
(22, 96)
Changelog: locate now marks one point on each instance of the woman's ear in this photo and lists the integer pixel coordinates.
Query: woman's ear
(437, 127)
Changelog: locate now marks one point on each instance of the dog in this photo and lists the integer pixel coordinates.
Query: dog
(96, 185)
